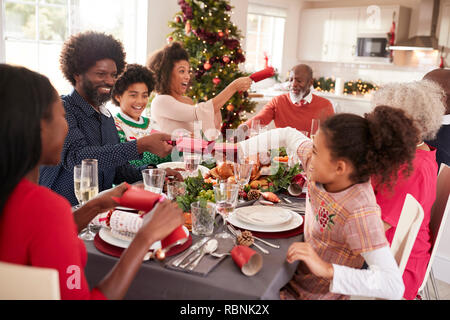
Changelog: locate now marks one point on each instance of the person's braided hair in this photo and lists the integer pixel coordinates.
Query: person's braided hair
(380, 144)
(81, 51)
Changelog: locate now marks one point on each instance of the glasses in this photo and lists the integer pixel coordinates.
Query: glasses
(191, 162)
(175, 189)
(315, 124)
(255, 128)
(242, 173)
(202, 218)
(77, 183)
(88, 190)
(225, 195)
(154, 180)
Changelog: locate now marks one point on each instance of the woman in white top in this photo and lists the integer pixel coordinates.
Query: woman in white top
(171, 109)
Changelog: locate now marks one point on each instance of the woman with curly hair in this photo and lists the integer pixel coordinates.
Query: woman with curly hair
(423, 102)
(343, 226)
(131, 93)
(171, 109)
(91, 62)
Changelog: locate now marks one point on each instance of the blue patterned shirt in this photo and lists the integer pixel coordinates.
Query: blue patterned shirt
(92, 135)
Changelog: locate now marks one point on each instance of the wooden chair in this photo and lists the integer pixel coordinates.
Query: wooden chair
(438, 218)
(18, 282)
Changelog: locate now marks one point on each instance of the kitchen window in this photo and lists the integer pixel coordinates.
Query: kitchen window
(34, 31)
(265, 35)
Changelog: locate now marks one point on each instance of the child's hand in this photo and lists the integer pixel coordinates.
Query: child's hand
(304, 252)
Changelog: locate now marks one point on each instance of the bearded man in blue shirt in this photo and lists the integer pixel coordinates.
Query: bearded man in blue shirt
(91, 62)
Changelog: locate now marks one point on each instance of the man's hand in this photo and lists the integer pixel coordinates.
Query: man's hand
(176, 174)
(156, 143)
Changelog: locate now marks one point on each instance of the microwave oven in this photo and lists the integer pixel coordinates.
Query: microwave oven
(372, 46)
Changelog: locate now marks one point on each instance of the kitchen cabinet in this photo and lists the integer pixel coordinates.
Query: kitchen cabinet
(330, 34)
(444, 29)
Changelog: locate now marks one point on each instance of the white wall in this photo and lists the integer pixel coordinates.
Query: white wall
(2, 47)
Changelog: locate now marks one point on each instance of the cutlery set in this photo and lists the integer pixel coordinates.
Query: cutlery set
(207, 245)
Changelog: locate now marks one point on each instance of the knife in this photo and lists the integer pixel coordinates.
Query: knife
(195, 247)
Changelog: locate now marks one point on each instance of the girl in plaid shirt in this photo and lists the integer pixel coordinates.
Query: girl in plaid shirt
(343, 226)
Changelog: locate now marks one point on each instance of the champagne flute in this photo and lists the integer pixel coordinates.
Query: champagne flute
(88, 190)
(315, 124)
(242, 173)
(77, 184)
(225, 195)
(255, 128)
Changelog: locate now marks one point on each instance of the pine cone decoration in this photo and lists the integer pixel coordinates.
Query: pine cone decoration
(253, 195)
(245, 238)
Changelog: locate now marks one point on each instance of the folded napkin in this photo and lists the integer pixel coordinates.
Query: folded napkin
(208, 262)
(138, 199)
(263, 74)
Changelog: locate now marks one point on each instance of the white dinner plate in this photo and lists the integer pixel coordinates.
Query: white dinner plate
(180, 165)
(106, 235)
(263, 215)
(295, 222)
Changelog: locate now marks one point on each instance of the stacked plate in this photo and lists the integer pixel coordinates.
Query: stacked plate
(265, 219)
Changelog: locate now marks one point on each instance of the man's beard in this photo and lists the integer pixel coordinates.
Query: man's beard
(92, 93)
(296, 97)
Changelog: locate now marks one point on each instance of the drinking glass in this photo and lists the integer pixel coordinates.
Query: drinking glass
(255, 128)
(226, 199)
(154, 180)
(77, 184)
(175, 189)
(315, 124)
(88, 190)
(242, 173)
(202, 218)
(191, 162)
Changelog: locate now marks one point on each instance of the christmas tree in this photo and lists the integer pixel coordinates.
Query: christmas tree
(213, 43)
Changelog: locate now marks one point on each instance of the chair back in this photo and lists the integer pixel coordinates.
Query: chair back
(438, 216)
(18, 282)
(405, 235)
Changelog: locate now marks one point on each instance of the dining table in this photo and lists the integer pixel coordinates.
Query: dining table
(154, 281)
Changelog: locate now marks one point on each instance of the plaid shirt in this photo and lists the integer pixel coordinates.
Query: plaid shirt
(339, 226)
(92, 135)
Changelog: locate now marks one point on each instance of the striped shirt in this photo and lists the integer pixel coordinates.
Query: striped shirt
(92, 135)
(339, 227)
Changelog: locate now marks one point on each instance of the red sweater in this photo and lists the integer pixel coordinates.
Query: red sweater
(37, 229)
(286, 114)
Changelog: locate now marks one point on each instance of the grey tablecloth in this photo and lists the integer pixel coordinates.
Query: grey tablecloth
(224, 282)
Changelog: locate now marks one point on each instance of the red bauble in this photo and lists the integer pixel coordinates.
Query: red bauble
(220, 33)
(226, 59)
(230, 107)
(169, 39)
(177, 19)
(216, 81)
(207, 66)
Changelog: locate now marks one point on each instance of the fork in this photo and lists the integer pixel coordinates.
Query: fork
(237, 233)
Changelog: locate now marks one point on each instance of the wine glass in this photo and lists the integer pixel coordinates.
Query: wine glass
(77, 184)
(225, 195)
(315, 124)
(88, 190)
(191, 162)
(154, 180)
(255, 128)
(242, 173)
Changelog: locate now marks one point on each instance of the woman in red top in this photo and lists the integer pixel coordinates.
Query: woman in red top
(37, 226)
(423, 102)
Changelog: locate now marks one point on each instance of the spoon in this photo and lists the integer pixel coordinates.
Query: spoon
(160, 254)
(220, 255)
(209, 247)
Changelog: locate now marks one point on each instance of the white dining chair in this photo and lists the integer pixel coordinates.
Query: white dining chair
(438, 218)
(406, 232)
(19, 282)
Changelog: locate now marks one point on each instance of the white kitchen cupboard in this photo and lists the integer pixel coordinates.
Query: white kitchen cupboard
(444, 29)
(330, 34)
